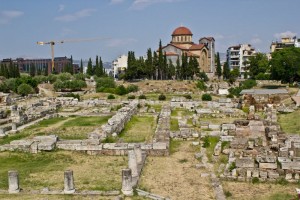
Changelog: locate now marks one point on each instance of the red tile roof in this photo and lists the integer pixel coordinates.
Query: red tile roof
(182, 31)
(197, 47)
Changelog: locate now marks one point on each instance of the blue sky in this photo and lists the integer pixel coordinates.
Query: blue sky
(139, 24)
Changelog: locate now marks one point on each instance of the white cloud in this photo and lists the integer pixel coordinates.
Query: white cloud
(116, 1)
(120, 42)
(284, 34)
(61, 7)
(255, 40)
(219, 36)
(141, 4)
(7, 15)
(75, 16)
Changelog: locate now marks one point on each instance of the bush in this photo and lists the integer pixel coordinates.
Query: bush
(255, 180)
(188, 96)
(232, 166)
(132, 88)
(111, 96)
(227, 194)
(201, 85)
(230, 96)
(262, 76)
(206, 142)
(76, 96)
(248, 84)
(203, 76)
(131, 97)
(106, 82)
(206, 97)
(121, 90)
(25, 89)
(245, 109)
(162, 97)
(142, 96)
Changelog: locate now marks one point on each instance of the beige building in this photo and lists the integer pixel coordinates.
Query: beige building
(284, 43)
(182, 43)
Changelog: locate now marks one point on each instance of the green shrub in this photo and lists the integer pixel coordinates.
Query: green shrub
(201, 85)
(227, 194)
(162, 97)
(248, 84)
(262, 76)
(232, 166)
(255, 180)
(206, 97)
(245, 109)
(235, 91)
(132, 88)
(206, 142)
(25, 89)
(142, 96)
(76, 96)
(121, 90)
(188, 96)
(131, 97)
(282, 181)
(230, 96)
(111, 96)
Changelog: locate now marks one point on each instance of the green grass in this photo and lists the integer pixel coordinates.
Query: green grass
(48, 122)
(282, 196)
(174, 125)
(86, 121)
(8, 138)
(290, 123)
(174, 146)
(156, 107)
(210, 149)
(26, 163)
(139, 129)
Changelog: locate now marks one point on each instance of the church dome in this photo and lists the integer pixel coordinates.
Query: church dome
(182, 31)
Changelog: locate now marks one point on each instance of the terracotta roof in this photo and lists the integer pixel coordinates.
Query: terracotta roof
(182, 31)
(171, 54)
(197, 46)
(190, 54)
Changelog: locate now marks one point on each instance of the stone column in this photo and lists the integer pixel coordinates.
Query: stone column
(69, 187)
(127, 182)
(13, 182)
(132, 164)
(14, 126)
(138, 154)
(2, 132)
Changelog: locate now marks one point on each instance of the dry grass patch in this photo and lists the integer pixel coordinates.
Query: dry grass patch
(261, 191)
(47, 170)
(176, 176)
(51, 197)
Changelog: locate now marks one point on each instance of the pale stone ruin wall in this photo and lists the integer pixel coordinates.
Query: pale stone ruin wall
(261, 150)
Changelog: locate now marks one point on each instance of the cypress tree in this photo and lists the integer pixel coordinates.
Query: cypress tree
(219, 68)
(81, 66)
(155, 65)
(32, 70)
(226, 71)
(149, 64)
(89, 70)
(102, 69)
(160, 61)
(98, 72)
(178, 69)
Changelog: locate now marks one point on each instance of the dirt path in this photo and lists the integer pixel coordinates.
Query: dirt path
(176, 176)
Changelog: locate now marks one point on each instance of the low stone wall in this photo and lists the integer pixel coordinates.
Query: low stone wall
(117, 122)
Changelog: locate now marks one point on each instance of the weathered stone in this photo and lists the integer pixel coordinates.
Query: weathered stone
(138, 154)
(159, 145)
(255, 173)
(273, 174)
(132, 163)
(127, 182)
(69, 187)
(217, 149)
(244, 163)
(13, 182)
(268, 165)
(263, 174)
(288, 176)
(249, 173)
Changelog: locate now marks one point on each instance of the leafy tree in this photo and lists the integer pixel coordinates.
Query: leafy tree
(25, 89)
(219, 68)
(233, 75)
(121, 90)
(285, 65)
(257, 64)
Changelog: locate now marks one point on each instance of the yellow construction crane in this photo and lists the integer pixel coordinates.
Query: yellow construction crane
(52, 43)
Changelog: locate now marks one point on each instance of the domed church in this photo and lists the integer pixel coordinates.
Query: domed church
(182, 42)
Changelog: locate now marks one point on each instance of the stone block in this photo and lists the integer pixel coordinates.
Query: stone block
(249, 173)
(255, 173)
(159, 146)
(146, 146)
(289, 176)
(273, 174)
(268, 165)
(46, 146)
(263, 174)
(90, 142)
(244, 163)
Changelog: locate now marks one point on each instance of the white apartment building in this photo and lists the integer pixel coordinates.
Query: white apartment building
(238, 55)
(119, 65)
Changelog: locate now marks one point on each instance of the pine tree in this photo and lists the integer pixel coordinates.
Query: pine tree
(219, 68)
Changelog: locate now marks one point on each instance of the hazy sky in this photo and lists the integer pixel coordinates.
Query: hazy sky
(139, 24)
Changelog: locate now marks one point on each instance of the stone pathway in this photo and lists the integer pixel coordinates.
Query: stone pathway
(217, 186)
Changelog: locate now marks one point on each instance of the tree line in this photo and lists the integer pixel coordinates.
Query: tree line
(156, 66)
